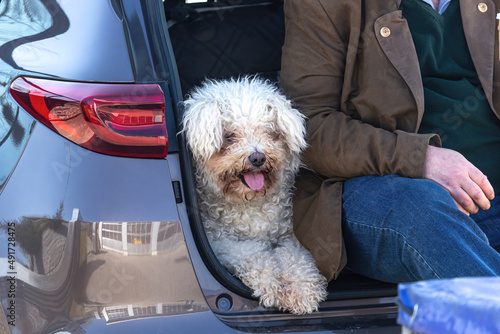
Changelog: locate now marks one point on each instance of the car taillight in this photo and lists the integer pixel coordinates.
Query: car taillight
(116, 119)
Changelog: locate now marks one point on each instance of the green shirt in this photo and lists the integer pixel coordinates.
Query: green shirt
(455, 105)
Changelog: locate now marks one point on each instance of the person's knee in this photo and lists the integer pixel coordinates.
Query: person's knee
(393, 194)
(416, 190)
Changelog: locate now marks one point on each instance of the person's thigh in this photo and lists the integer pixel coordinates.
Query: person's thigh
(398, 229)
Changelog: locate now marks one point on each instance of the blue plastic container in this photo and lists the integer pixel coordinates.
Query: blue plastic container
(461, 305)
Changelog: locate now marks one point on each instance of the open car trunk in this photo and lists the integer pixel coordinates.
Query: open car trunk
(233, 38)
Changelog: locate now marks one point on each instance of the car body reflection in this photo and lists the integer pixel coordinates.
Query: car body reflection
(70, 273)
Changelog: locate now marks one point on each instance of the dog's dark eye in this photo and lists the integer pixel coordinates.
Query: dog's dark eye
(229, 136)
(276, 135)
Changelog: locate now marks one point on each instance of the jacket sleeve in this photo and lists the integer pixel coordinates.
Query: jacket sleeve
(341, 145)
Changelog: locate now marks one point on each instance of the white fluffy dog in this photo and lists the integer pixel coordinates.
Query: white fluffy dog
(246, 140)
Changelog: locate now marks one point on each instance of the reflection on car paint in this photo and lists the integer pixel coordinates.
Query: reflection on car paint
(114, 271)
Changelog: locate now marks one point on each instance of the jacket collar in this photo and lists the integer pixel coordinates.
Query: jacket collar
(480, 29)
(400, 51)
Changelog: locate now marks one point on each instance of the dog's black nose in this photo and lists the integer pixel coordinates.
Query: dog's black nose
(257, 159)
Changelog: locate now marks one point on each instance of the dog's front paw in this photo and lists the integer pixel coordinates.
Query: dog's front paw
(272, 296)
(302, 298)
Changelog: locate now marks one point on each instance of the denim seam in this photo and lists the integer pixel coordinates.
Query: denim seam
(404, 240)
(420, 257)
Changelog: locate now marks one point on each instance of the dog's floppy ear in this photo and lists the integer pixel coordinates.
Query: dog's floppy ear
(290, 121)
(202, 125)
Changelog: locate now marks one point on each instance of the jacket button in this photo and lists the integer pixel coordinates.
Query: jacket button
(482, 7)
(385, 32)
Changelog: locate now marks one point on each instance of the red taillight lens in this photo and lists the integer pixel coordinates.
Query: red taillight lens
(117, 119)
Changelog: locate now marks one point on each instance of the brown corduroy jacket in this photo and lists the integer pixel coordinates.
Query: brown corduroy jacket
(351, 67)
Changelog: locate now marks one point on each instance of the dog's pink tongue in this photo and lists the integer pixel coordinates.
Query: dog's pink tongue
(254, 180)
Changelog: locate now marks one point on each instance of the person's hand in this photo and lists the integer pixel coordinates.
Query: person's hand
(468, 186)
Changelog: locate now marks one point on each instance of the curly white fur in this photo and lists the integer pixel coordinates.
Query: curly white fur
(246, 141)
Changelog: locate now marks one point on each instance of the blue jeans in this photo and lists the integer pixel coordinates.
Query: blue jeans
(398, 229)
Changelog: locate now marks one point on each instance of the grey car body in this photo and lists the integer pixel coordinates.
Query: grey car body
(98, 243)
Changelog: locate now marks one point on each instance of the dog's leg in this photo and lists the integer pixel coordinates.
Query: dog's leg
(304, 286)
(257, 267)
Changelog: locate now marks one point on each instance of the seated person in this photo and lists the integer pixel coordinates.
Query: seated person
(404, 135)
